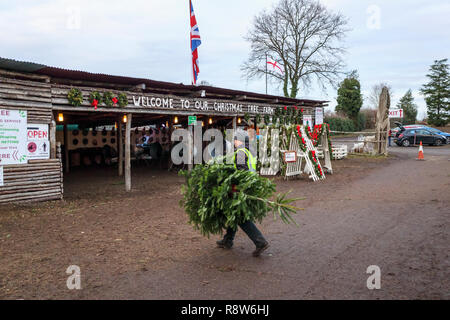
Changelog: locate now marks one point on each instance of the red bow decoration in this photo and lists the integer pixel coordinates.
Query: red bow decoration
(301, 110)
(95, 103)
(295, 107)
(115, 100)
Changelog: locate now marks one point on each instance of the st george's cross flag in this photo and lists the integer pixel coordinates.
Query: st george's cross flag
(273, 65)
(195, 43)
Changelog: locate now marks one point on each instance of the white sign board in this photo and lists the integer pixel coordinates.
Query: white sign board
(38, 145)
(396, 113)
(1, 177)
(290, 156)
(13, 137)
(319, 116)
(308, 121)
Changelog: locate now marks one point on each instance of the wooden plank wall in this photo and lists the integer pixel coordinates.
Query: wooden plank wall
(33, 96)
(39, 180)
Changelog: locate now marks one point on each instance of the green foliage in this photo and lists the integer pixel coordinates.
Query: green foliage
(349, 100)
(360, 122)
(409, 108)
(437, 93)
(75, 97)
(123, 99)
(107, 99)
(212, 206)
(340, 124)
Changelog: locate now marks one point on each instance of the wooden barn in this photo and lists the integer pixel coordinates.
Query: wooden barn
(53, 119)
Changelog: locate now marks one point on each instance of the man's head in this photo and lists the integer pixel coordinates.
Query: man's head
(240, 137)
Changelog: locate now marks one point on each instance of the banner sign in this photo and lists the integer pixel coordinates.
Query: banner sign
(187, 104)
(38, 145)
(13, 137)
(396, 113)
(319, 116)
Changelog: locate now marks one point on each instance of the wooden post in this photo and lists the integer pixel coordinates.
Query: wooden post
(120, 146)
(53, 139)
(191, 148)
(128, 152)
(66, 148)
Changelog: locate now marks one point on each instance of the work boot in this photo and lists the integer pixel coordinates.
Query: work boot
(260, 249)
(225, 244)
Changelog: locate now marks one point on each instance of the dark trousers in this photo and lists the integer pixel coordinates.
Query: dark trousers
(252, 232)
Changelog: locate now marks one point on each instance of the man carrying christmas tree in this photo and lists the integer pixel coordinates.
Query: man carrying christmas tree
(244, 160)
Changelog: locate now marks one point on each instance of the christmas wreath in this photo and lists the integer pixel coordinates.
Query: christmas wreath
(123, 100)
(217, 196)
(95, 98)
(108, 98)
(75, 97)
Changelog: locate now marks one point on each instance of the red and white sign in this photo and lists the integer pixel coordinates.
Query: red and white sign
(290, 156)
(396, 113)
(13, 137)
(38, 145)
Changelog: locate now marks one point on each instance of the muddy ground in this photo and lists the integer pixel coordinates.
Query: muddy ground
(394, 213)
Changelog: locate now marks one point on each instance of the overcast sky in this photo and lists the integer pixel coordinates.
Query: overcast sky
(391, 41)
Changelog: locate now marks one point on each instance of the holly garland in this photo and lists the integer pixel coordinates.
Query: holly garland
(316, 136)
(317, 167)
(301, 140)
(310, 154)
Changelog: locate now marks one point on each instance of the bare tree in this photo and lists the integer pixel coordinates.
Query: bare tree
(375, 93)
(304, 38)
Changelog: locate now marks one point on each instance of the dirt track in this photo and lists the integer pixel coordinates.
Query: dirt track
(392, 213)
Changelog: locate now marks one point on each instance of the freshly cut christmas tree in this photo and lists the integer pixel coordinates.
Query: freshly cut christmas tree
(217, 196)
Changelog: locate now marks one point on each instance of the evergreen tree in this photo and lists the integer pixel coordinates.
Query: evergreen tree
(349, 100)
(437, 93)
(409, 108)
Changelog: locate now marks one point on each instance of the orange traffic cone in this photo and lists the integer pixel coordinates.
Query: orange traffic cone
(420, 152)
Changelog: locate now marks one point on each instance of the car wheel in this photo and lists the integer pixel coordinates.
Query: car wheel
(438, 142)
(405, 143)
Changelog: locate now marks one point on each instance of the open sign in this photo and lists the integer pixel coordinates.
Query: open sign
(38, 146)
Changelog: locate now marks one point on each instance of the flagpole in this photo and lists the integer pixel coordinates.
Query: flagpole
(266, 72)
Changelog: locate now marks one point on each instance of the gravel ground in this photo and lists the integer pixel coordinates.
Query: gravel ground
(393, 213)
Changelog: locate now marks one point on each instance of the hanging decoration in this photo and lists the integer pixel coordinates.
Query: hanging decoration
(95, 98)
(108, 99)
(123, 100)
(75, 97)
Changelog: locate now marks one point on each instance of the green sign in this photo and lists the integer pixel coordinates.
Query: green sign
(192, 120)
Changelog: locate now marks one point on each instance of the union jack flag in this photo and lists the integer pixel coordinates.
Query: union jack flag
(195, 43)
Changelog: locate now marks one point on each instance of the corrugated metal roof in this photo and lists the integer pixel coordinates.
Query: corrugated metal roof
(76, 75)
(21, 66)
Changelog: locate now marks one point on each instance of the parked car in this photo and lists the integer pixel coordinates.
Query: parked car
(411, 126)
(406, 137)
(442, 133)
